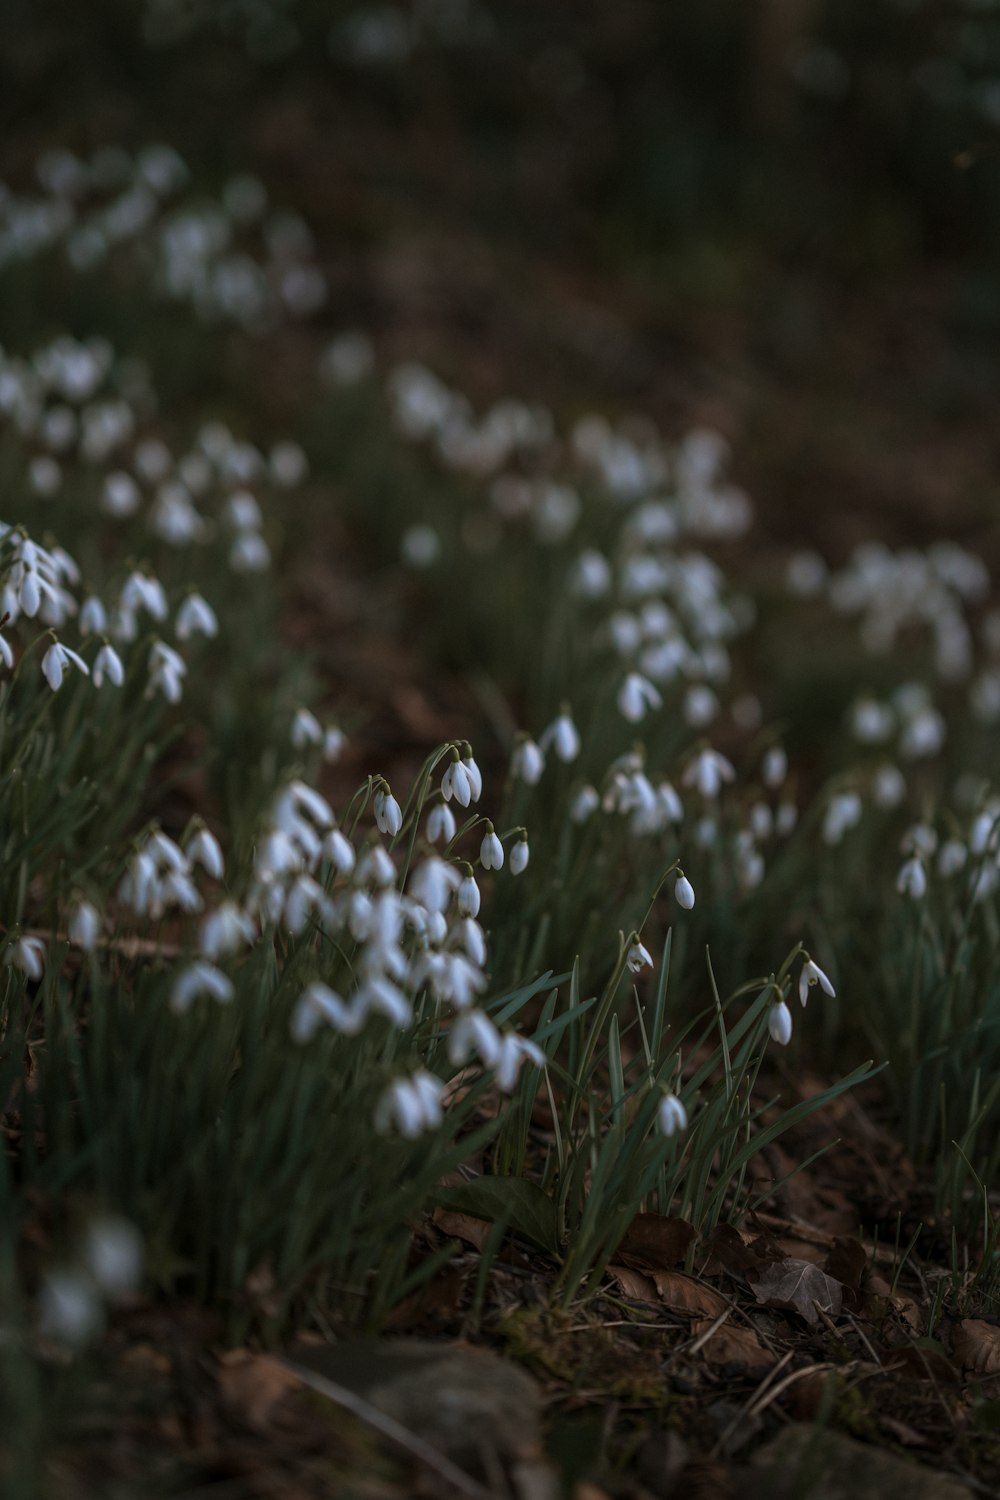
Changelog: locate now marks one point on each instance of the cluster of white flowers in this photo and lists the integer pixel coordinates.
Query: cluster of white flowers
(235, 260)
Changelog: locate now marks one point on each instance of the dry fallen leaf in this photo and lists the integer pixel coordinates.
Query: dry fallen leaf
(686, 1295)
(923, 1364)
(976, 1346)
(635, 1285)
(474, 1232)
(800, 1286)
(654, 1242)
(252, 1386)
(847, 1263)
(739, 1253)
(729, 1345)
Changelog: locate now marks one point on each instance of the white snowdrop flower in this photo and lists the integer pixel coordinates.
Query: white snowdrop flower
(779, 1023)
(420, 546)
(774, 767)
(527, 763)
(671, 1115)
(684, 891)
(700, 706)
(469, 899)
(288, 464)
(196, 979)
(249, 553)
(491, 850)
(920, 839)
(93, 619)
(812, 974)
(924, 734)
(6, 654)
(29, 957)
(514, 1052)
(473, 939)
(638, 957)
(108, 664)
(636, 696)
(338, 850)
(225, 931)
(519, 856)
(912, 878)
(202, 848)
(388, 813)
(474, 774)
(112, 1253)
(761, 821)
(985, 831)
(456, 783)
(843, 812)
(474, 1032)
(45, 475)
(319, 1005)
(586, 801)
(871, 722)
(55, 661)
(625, 631)
(381, 995)
(306, 729)
(140, 591)
(888, 787)
(334, 741)
(167, 670)
(785, 818)
(564, 737)
(591, 575)
(195, 617)
(412, 1105)
(180, 890)
(243, 512)
(84, 925)
(669, 803)
(707, 772)
(441, 827)
(305, 895)
(69, 1308)
(952, 858)
(458, 981)
(306, 797)
(120, 495)
(433, 882)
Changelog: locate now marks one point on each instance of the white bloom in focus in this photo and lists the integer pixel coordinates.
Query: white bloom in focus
(779, 1023)
(527, 763)
(200, 979)
(388, 813)
(912, 878)
(519, 856)
(638, 957)
(491, 850)
(457, 783)
(54, 662)
(671, 1115)
(812, 974)
(684, 891)
(474, 774)
(108, 664)
(84, 926)
(564, 737)
(636, 696)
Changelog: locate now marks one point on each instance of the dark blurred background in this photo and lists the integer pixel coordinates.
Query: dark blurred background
(777, 216)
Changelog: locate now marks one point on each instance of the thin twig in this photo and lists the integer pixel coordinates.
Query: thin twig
(389, 1428)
